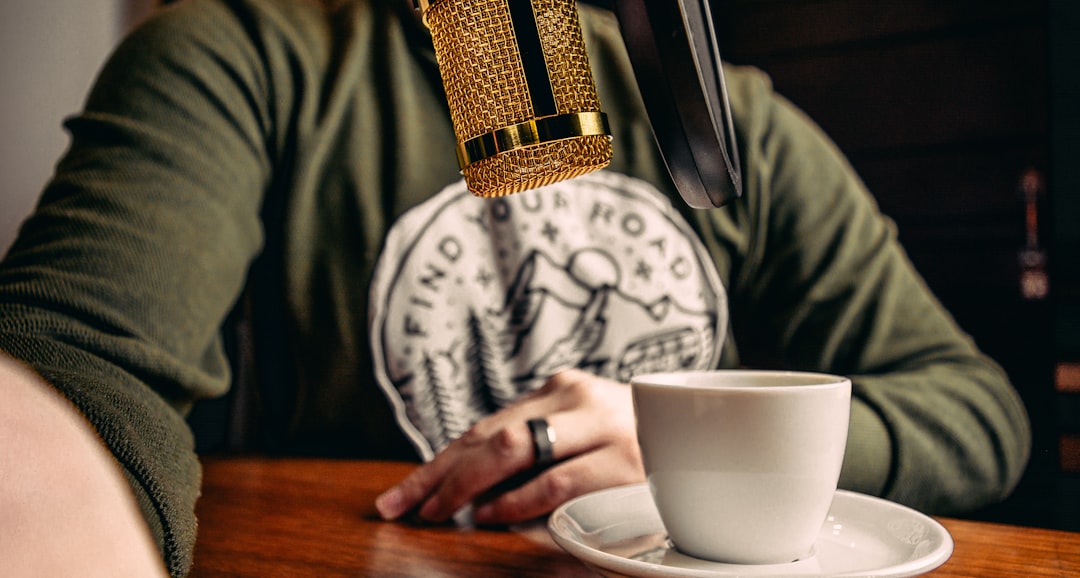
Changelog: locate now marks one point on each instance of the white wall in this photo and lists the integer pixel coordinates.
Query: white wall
(50, 51)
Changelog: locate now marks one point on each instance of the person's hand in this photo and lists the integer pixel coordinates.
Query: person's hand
(595, 447)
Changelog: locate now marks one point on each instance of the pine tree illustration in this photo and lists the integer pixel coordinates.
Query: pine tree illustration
(436, 409)
(458, 405)
(421, 409)
(488, 373)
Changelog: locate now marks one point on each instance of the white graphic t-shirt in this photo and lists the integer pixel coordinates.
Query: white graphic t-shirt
(476, 301)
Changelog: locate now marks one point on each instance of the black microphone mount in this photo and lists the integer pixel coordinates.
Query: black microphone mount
(674, 51)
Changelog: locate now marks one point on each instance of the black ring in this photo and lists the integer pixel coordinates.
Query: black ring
(543, 438)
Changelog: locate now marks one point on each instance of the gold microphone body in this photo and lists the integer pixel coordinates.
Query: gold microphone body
(521, 93)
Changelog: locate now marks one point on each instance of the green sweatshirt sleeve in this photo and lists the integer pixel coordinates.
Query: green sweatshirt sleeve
(824, 285)
(117, 286)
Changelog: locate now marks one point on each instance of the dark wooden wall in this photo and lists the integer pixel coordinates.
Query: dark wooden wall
(942, 107)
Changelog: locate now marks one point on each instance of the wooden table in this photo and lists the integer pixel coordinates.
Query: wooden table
(295, 517)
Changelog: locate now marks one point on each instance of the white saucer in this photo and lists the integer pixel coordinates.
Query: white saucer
(618, 532)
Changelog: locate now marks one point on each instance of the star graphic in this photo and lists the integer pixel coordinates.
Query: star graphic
(643, 270)
(550, 231)
(484, 278)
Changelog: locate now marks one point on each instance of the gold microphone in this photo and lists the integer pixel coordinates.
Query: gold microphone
(521, 93)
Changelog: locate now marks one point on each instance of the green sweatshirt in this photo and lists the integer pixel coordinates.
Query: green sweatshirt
(298, 160)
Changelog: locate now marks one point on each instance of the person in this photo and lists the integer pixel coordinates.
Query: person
(265, 192)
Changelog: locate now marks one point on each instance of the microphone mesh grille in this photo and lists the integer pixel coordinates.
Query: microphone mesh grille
(487, 89)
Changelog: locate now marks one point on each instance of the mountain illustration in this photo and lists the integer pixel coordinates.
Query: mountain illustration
(555, 317)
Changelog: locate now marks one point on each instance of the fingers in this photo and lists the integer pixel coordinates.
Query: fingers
(592, 418)
(490, 452)
(403, 498)
(481, 461)
(603, 468)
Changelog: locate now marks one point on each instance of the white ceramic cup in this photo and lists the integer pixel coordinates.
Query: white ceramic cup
(742, 464)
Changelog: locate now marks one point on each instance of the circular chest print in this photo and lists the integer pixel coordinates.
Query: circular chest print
(477, 301)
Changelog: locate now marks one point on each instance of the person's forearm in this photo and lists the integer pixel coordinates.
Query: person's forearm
(65, 509)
